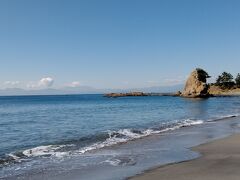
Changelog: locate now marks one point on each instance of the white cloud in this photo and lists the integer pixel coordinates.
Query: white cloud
(11, 83)
(74, 84)
(46, 82)
(31, 85)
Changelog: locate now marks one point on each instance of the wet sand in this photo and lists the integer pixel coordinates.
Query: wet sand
(220, 160)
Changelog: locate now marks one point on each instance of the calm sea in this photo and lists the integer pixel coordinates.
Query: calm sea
(49, 128)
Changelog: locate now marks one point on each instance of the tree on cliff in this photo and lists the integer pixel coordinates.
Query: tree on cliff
(202, 75)
(225, 80)
(237, 80)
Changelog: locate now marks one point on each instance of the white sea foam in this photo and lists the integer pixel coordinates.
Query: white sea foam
(113, 162)
(115, 137)
(49, 150)
(121, 161)
(124, 135)
(13, 156)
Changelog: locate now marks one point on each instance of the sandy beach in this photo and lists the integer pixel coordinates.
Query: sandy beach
(220, 160)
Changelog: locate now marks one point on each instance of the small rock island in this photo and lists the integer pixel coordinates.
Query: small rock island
(196, 85)
(114, 95)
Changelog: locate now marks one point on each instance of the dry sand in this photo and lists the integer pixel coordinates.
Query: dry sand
(220, 160)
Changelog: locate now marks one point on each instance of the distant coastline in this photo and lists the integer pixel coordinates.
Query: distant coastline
(196, 86)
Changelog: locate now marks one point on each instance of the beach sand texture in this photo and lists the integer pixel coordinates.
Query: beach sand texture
(220, 160)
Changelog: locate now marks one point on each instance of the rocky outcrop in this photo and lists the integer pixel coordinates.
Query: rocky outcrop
(196, 85)
(114, 95)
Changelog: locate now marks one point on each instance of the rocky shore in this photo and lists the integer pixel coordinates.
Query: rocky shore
(115, 95)
(126, 94)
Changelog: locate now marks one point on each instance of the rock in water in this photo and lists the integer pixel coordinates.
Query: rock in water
(114, 95)
(196, 85)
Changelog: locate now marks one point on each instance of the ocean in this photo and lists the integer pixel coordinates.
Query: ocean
(95, 137)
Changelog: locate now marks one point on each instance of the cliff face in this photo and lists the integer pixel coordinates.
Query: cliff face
(196, 85)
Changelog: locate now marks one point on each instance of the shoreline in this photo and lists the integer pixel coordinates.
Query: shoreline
(219, 159)
(134, 157)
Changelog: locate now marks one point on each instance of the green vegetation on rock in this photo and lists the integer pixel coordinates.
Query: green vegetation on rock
(202, 75)
(237, 80)
(225, 80)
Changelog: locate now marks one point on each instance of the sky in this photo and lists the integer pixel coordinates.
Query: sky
(115, 43)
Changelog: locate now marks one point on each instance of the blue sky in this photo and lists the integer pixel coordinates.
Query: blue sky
(115, 44)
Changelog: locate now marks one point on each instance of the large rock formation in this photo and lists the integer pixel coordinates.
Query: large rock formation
(196, 85)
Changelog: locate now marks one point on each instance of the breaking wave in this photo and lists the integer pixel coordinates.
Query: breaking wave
(98, 141)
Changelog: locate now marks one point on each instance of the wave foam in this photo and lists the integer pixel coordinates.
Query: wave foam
(44, 151)
(109, 138)
(114, 137)
(121, 161)
(124, 135)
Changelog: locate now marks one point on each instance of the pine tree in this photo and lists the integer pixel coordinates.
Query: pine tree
(237, 80)
(225, 80)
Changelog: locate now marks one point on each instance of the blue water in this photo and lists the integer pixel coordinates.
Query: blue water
(73, 123)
